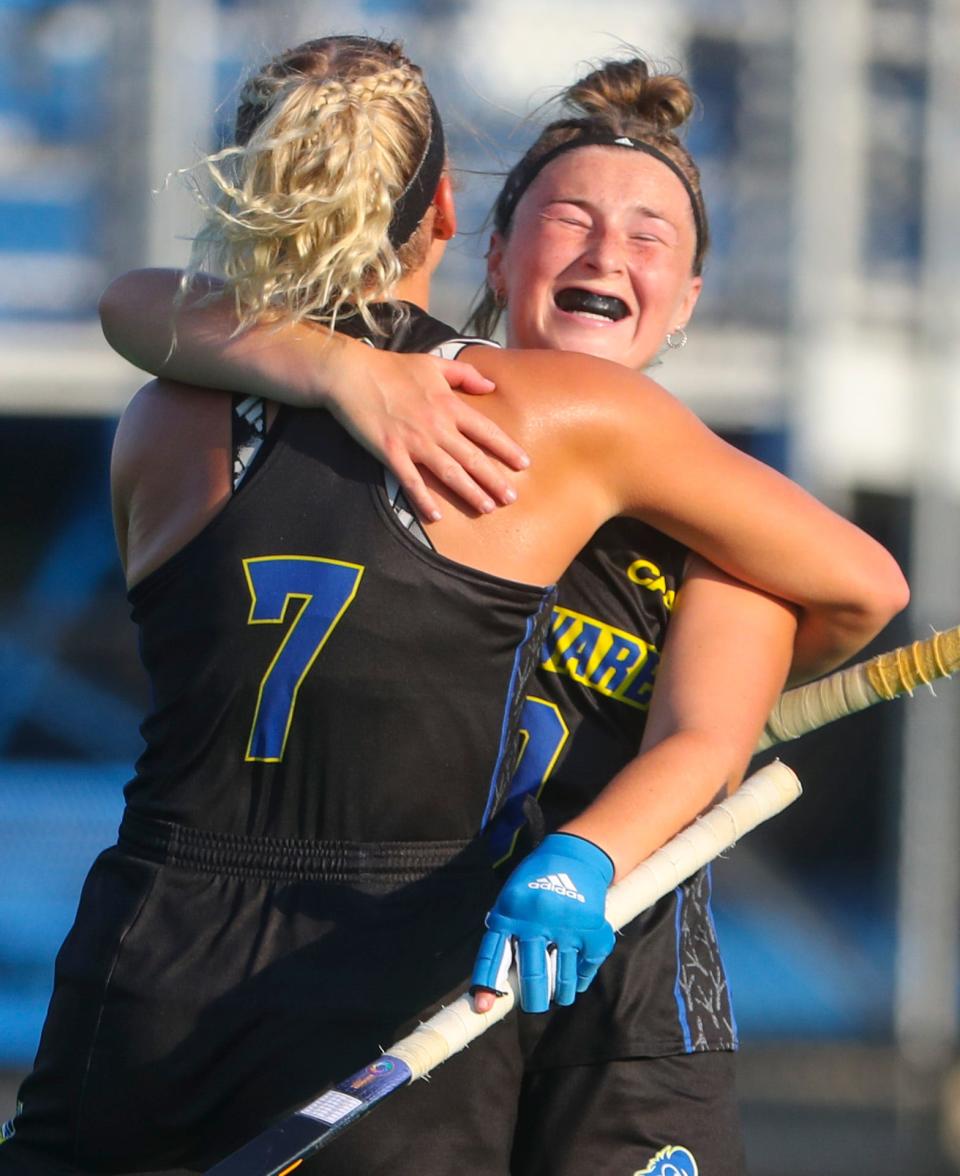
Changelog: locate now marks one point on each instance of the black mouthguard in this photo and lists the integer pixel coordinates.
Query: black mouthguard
(602, 304)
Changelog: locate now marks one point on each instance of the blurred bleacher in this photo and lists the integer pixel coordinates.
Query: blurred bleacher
(792, 311)
(53, 60)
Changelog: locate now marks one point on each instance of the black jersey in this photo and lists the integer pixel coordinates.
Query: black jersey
(298, 876)
(299, 639)
(663, 990)
(585, 714)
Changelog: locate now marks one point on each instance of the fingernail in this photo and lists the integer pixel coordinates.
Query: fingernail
(524, 460)
(434, 517)
(488, 505)
(510, 495)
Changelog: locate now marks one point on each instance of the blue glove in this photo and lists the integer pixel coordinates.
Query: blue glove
(552, 906)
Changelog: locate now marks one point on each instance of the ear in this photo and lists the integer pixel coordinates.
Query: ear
(495, 278)
(445, 221)
(685, 311)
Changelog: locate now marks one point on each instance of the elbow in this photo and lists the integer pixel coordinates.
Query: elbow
(118, 309)
(887, 595)
(880, 593)
(136, 316)
(899, 592)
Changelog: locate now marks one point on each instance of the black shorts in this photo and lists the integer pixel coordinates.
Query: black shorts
(196, 1000)
(670, 1116)
(202, 993)
(479, 1114)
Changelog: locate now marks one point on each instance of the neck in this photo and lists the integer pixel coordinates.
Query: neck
(414, 288)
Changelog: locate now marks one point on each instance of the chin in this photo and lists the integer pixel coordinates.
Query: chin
(600, 348)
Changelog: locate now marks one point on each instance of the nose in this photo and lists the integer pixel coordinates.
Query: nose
(604, 251)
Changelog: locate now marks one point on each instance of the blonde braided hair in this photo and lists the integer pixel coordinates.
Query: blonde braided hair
(328, 136)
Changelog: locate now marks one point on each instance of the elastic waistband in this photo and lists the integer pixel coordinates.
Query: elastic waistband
(283, 859)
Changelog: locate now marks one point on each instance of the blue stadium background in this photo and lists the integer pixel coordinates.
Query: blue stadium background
(807, 910)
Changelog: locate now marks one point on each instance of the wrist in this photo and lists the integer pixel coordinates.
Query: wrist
(564, 841)
(338, 363)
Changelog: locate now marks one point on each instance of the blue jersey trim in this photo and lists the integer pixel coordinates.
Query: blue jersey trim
(512, 691)
(677, 990)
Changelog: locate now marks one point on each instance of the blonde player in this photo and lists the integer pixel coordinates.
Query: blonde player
(271, 1016)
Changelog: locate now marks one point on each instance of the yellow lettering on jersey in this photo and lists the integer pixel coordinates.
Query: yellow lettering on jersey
(601, 657)
(647, 575)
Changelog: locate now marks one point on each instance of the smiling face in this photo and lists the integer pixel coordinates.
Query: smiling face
(599, 257)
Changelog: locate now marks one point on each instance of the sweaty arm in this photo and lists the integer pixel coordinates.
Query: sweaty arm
(768, 532)
(725, 659)
(401, 408)
(631, 448)
(726, 654)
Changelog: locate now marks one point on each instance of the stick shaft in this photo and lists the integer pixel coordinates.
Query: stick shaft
(880, 679)
(280, 1149)
(766, 793)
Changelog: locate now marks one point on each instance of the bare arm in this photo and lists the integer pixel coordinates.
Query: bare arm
(400, 407)
(768, 532)
(608, 442)
(724, 661)
(725, 658)
(170, 472)
(662, 464)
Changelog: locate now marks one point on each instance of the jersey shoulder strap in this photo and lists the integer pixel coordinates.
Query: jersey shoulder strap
(452, 347)
(398, 500)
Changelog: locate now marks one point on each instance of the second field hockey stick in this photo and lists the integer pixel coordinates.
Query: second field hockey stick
(879, 679)
(283, 1147)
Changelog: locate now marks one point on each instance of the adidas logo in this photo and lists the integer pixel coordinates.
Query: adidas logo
(561, 884)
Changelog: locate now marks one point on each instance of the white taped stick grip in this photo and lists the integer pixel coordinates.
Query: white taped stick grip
(765, 794)
(818, 703)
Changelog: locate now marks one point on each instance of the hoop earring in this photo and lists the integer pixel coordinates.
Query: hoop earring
(677, 340)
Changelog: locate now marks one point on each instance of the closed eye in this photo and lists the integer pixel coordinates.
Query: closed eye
(567, 214)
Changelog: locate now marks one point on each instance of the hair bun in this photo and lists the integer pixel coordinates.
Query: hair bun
(629, 89)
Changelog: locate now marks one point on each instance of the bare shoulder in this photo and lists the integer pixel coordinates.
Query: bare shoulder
(572, 386)
(165, 419)
(169, 470)
(574, 407)
(165, 406)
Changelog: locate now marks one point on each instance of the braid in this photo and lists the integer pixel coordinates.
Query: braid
(328, 136)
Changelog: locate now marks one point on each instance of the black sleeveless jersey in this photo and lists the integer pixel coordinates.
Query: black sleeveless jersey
(664, 989)
(304, 638)
(585, 713)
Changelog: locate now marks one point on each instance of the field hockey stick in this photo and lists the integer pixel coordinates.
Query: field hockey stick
(283, 1147)
(280, 1149)
(879, 679)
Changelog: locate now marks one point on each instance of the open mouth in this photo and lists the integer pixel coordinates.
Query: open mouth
(605, 306)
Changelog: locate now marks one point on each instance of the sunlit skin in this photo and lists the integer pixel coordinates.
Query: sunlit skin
(617, 223)
(607, 220)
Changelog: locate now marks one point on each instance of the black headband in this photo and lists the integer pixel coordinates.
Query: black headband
(418, 195)
(527, 170)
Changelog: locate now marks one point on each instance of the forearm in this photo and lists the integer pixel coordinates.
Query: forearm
(656, 795)
(724, 662)
(194, 341)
